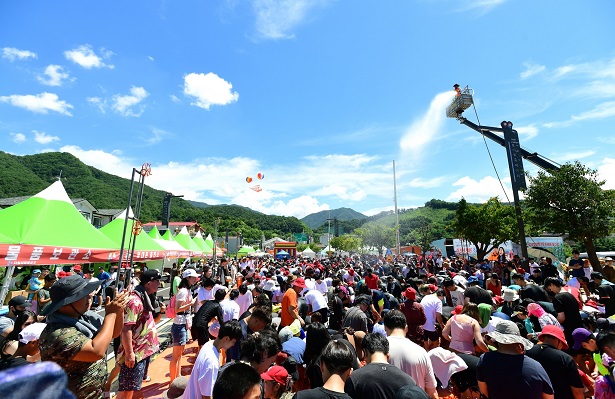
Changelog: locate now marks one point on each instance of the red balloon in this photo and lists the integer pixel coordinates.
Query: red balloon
(260, 176)
(248, 179)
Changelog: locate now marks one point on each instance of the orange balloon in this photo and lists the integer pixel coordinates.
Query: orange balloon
(248, 179)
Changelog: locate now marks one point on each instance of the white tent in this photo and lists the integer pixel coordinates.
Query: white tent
(308, 253)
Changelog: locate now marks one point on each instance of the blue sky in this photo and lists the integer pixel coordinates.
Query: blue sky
(320, 96)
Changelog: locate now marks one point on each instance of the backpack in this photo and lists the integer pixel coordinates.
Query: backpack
(170, 310)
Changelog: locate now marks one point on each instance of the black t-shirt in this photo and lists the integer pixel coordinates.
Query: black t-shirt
(535, 292)
(512, 376)
(11, 362)
(478, 295)
(207, 311)
(577, 272)
(320, 393)
(607, 297)
(565, 302)
(560, 367)
(377, 381)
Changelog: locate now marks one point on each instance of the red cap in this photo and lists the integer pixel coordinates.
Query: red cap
(300, 282)
(521, 270)
(77, 268)
(554, 331)
(457, 309)
(498, 300)
(277, 374)
(433, 288)
(61, 274)
(410, 293)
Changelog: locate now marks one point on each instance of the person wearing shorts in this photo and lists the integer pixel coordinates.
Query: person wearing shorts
(139, 338)
(183, 320)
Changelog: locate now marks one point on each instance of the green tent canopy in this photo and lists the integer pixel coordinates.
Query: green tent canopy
(245, 251)
(48, 229)
(145, 246)
(154, 233)
(198, 240)
(184, 239)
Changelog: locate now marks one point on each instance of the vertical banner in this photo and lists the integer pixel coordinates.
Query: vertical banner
(166, 211)
(515, 160)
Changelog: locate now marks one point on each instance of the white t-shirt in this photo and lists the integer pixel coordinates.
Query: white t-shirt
(205, 295)
(230, 310)
(321, 287)
(310, 284)
(412, 360)
(457, 297)
(315, 299)
(244, 301)
(204, 373)
(431, 305)
(184, 297)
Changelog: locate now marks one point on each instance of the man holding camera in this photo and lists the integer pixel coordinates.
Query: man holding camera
(139, 339)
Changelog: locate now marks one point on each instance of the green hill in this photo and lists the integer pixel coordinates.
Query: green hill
(318, 219)
(27, 175)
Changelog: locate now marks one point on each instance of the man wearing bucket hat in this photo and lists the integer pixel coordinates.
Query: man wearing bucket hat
(560, 367)
(526, 375)
(77, 338)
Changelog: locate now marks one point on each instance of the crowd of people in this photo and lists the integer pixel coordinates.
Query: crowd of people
(335, 328)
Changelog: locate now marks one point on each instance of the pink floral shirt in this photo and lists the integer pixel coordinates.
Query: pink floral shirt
(144, 335)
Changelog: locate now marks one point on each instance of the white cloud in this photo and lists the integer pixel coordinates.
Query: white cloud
(44, 138)
(606, 171)
(276, 19)
(53, 76)
(601, 111)
(124, 104)
(13, 54)
(209, 89)
(156, 136)
(87, 58)
(149, 57)
(480, 6)
(529, 132)
(99, 103)
(419, 182)
(531, 70)
(108, 162)
(574, 155)
(174, 98)
(41, 103)
(426, 128)
(18, 138)
(480, 190)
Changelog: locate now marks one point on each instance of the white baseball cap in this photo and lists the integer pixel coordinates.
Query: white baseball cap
(31, 332)
(189, 273)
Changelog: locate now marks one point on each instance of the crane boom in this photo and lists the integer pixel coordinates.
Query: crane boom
(487, 131)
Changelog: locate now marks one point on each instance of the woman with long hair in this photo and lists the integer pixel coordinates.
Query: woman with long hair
(317, 337)
(23, 320)
(494, 284)
(463, 329)
(183, 319)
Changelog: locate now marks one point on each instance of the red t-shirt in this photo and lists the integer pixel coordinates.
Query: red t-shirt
(371, 280)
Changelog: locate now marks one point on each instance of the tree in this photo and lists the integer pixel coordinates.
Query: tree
(422, 234)
(377, 236)
(346, 243)
(486, 226)
(571, 201)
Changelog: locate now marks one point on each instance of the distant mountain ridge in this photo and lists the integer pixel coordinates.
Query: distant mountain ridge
(315, 220)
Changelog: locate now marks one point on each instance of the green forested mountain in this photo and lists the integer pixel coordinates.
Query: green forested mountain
(27, 175)
(315, 220)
